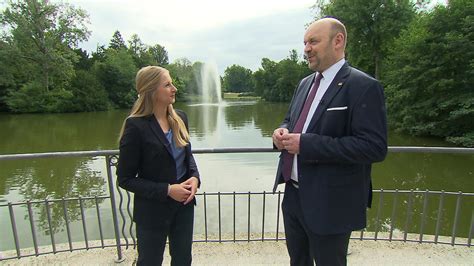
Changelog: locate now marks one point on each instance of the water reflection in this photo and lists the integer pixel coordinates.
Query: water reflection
(215, 123)
(203, 119)
(229, 124)
(52, 179)
(29, 133)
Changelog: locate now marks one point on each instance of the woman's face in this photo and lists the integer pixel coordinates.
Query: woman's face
(165, 92)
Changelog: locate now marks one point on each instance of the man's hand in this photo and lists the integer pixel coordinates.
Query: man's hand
(179, 192)
(192, 183)
(291, 142)
(277, 137)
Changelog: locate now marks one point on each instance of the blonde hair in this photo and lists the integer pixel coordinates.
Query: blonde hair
(147, 80)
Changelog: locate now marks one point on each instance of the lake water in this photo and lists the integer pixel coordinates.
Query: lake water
(234, 124)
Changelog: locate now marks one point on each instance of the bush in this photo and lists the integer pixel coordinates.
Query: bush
(32, 98)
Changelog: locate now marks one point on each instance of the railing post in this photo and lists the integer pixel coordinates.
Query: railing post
(263, 217)
(423, 217)
(393, 217)
(219, 210)
(471, 230)
(278, 214)
(233, 209)
(248, 221)
(120, 258)
(205, 215)
(66, 222)
(32, 226)
(379, 212)
(408, 219)
(15, 232)
(51, 231)
(440, 215)
(456, 218)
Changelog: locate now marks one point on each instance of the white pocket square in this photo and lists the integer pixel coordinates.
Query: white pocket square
(337, 108)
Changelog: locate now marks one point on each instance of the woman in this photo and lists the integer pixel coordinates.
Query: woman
(157, 165)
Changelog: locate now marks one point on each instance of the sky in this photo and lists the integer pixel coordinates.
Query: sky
(223, 32)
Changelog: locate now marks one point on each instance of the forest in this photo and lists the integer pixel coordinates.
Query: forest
(423, 56)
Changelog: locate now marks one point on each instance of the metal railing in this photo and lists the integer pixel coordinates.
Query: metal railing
(235, 216)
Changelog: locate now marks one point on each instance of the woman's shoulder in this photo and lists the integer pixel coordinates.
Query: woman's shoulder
(137, 120)
(181, 113)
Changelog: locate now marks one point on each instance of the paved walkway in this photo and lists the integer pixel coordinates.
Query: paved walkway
(367, 252)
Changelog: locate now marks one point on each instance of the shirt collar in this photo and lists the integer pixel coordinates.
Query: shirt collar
(331, 72)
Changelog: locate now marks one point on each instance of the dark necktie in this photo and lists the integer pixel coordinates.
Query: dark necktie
(287, 157)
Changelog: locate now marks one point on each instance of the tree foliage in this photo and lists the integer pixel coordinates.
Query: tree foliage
(42, 69)
(277, 81)
(430, 73)
(39, 38)
(88, 93)
(422, 55)
(43, 34)
(185, 76)
(372, 25)
(117, 42)
(238, 79)
(117, 76)
(159, 55)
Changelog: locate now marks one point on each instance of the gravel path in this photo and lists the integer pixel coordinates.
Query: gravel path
(365, 252)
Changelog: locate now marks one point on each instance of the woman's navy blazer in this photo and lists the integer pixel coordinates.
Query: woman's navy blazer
(146, 167)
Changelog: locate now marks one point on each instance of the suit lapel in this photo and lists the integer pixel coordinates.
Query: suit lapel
(156, 128)
(301, 100)
(336, 84)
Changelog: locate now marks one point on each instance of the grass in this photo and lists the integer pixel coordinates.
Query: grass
(235, 96)
(231, 96)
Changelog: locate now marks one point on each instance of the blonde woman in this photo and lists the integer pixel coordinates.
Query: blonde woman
(157, 165)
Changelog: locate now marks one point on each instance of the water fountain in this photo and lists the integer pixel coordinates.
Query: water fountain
(210, 85)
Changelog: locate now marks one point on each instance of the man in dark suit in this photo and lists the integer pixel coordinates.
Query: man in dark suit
(334, 130)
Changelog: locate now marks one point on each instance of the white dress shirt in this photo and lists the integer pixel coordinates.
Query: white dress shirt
(328, 76)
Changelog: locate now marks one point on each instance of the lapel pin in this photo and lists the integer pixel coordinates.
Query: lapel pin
(339, 84)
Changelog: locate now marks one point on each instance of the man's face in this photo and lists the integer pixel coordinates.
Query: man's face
(319, 47)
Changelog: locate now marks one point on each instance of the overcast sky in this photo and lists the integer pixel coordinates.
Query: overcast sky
(227, 32)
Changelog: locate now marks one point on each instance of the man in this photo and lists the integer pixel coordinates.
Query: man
(334, 130)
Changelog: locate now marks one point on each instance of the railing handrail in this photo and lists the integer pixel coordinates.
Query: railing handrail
(377, 190)
(396, 149)
(111, 156)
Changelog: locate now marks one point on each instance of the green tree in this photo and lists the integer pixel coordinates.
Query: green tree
(372, 26)
(145, 55)
(194, 82)
(238, 79)
(8, 74)
(139, 52)
(99, 54)
(430, 73)
(43, 34)
(183, 71)
(39, 38)
(277, 81)
(83, 62)
(159, 55)
(117, 76)
(88, 93)
(31, 98)
(117, 42)
(265, 79)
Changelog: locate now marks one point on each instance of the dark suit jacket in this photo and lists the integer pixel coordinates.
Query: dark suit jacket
(347, 133)
(146, 166)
